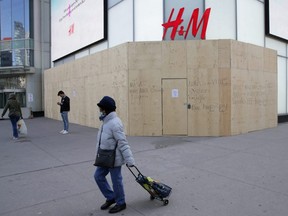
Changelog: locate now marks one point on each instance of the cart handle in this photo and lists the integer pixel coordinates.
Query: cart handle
(129, 167)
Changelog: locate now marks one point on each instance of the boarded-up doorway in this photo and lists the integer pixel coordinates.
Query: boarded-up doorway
(174, 107)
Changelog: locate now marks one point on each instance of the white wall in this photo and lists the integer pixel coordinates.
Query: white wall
(148, 20)
(281, 48)
(282, 83)
(244, 20)
(250, 22)
(222, 21)
(120, 23)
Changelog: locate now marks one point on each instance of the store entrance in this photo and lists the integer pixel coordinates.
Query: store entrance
(20, 96)
(174, 107)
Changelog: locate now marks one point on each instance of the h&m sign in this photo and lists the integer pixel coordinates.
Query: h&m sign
(175, 23)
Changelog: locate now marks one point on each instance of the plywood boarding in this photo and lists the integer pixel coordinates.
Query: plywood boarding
(145, 117)
(231, 86)
(239, 55)
(208, 90)
(224, 54)
(86, 81)
(224, 104)
(202, 54)
(209, 96)
(174, 99)
(254, 93)
(174, 59)
(51, 85)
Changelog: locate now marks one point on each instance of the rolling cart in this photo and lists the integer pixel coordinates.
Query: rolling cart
(157, 190)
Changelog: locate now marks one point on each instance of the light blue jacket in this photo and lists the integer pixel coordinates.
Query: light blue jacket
(112, 132)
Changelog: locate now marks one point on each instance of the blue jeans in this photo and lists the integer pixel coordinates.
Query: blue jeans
(117, 193)
(64, 116)
(14, 119)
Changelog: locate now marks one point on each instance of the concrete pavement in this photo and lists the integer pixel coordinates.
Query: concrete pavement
(50, 174)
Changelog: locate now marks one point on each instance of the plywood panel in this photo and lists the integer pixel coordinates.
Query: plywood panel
(174, 59)
(270, 62)
(145, 117)
(256, 57)
(239, 55)
(224, 53)
(209, 102)
(202, 54)
(174, 99)
(239, 111)
(262, 91)
(253, 97)
(224, 82)
(144, 55)
(203, 89)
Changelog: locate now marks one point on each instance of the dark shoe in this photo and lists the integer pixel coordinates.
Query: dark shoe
(107, 204)
(117, 208)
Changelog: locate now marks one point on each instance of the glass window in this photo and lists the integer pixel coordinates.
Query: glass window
(5, 20)
(18, 19)
(20, 97)
(29, 57)
(6, 58)
(6, 45)
(18, 82)
(15, 26)
(27, 18)
(15, 85)
(18, 44)
(18, 57)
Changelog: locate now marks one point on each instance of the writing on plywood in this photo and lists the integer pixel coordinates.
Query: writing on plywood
(199, 94)
(252, 93)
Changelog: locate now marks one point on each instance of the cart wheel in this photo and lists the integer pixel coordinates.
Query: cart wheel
(152, 197)
(165, 202)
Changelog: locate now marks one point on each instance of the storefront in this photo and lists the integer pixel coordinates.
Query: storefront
(215, 30)
(24, 52)
(256, 22)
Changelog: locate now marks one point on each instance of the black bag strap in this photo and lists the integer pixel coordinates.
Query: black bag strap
(100, 136)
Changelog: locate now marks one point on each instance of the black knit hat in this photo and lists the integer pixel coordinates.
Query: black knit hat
(12, 96)
(107, 103)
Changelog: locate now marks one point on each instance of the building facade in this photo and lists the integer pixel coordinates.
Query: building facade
(168, 75)
(24, 52)
(25, 35)
(242, 20)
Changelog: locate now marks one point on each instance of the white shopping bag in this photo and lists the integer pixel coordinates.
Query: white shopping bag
(22, 129)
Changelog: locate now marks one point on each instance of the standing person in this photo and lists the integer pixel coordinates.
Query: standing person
(14, 113)
(110, 134)
(64, 109)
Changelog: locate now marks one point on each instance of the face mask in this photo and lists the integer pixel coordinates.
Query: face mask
(102, 116)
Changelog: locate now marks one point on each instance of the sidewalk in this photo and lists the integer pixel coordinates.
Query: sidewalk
(50, 174)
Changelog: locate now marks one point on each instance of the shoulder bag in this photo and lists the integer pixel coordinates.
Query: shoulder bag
(104, 157)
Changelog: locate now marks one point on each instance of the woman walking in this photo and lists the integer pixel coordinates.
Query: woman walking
(14, 113)
(111, 134)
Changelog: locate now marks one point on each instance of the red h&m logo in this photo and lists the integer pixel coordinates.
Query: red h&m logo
(71, 29)
(174, 24)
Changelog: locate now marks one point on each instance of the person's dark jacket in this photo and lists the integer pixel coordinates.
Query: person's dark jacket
(65, 104)
(13, 105)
